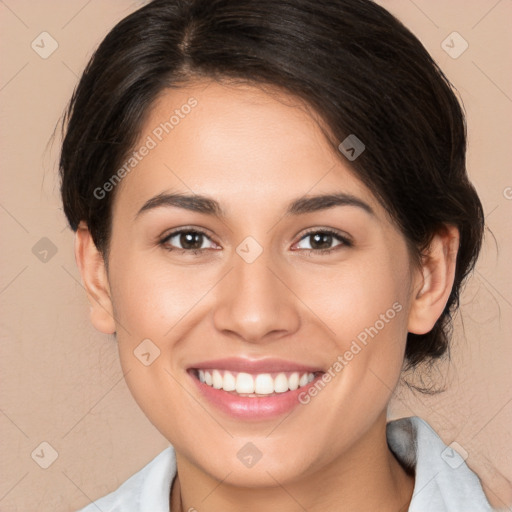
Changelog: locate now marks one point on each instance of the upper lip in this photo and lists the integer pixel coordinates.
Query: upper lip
(239, 364)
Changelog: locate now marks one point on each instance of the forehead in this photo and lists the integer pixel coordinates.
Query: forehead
(243, 145)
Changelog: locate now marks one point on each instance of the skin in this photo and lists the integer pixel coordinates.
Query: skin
(254, 152)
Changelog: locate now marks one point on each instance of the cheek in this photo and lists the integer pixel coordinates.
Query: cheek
(158, 308)
(360, 297)
(154, 308)
(366, 306)
(150, 297)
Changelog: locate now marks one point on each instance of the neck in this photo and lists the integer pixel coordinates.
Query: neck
(368, 476)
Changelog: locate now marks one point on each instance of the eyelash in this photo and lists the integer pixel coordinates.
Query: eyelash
(345, 241)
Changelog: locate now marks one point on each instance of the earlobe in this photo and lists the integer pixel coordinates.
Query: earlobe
(94, 277)
(434, 281)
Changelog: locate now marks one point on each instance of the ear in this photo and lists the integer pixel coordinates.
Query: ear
(434, 281)
(94, 277)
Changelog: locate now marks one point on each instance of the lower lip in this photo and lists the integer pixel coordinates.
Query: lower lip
(253, 408)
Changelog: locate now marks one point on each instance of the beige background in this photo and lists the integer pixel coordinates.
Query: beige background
(61, 381)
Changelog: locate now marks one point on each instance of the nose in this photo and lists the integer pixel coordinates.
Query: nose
(255, 304)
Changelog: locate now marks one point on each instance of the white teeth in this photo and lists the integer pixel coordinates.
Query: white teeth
(217, 379)
(264, 384)
(281, 383)
(293, 381)
(244, 383)
(260, 384)
(229, 382)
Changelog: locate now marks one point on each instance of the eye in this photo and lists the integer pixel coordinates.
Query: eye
(321, 240)
(187, 240)
(196, 241)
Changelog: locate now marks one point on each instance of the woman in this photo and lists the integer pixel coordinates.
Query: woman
(273, 217)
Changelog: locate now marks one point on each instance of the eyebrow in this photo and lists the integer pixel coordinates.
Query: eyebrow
(203, 204)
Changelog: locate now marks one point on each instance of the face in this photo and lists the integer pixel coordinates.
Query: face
(253, 287)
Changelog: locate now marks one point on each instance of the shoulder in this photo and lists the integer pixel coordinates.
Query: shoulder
(443, 481)
(148, 489)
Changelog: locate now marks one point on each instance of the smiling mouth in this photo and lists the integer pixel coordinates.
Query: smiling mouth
(256, 385)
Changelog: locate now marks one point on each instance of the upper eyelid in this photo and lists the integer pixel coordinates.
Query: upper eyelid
(165, 238)
(335, 232)
(185, 229)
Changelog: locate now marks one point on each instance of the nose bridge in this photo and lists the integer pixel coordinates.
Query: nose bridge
(254, 302)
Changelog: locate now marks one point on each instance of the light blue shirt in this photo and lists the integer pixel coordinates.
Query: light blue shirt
(443, 481)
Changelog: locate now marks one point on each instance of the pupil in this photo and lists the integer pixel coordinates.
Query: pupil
(191, 240)
(321, 239)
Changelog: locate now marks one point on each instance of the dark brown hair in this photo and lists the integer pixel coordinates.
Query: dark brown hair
(354, 63)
